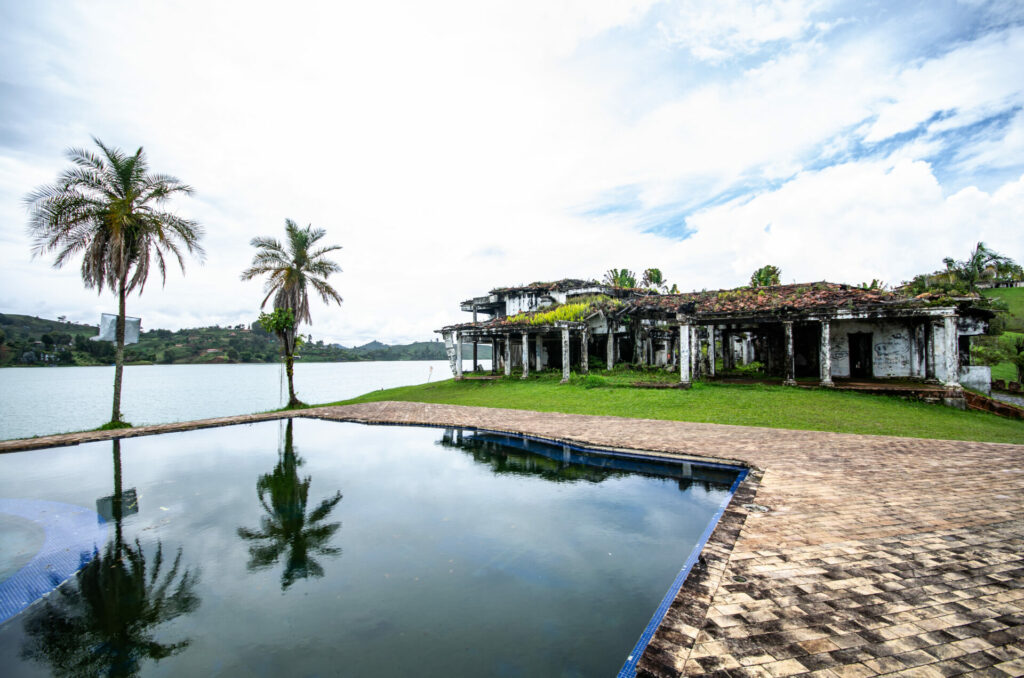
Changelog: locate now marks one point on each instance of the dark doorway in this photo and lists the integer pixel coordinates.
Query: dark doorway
(860, 355)
(806, 345)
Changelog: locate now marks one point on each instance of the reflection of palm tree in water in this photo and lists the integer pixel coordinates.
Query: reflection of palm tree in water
(103, 624)
(287, 527)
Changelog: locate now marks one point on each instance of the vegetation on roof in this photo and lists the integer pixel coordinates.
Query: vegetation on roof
(775, 297)
(574, 311)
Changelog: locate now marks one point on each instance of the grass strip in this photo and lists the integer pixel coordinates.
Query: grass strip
(738, 404)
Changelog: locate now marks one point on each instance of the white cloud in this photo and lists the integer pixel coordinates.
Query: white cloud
(970, 83)
(447, 146)
(1004, 149)
(853, 222)
(716, 30)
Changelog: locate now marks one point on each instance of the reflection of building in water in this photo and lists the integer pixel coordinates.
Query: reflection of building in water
(561, 463)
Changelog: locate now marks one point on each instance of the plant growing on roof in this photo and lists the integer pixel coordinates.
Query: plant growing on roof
(624, 278)
(290, 270)
(109, 208)
(653, 279)
(766, 276)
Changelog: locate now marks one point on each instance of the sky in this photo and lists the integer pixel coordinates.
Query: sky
(454, 147)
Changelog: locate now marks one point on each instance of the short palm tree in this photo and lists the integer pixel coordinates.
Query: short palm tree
(291, 269)
(109, 208)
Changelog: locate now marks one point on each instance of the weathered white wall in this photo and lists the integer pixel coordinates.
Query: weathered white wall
(978, 378)
(971, 326)
(521, 303)
(890, 347)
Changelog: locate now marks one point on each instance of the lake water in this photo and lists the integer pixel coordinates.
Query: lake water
(41, 401)
(317, 548)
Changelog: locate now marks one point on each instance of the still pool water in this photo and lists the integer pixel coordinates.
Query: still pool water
(314, 548)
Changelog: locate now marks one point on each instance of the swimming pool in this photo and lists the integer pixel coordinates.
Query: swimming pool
(309, 547)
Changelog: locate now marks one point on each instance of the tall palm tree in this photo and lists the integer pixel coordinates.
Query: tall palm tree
(109, 208)
(291, 268)
(974, 268)
(287, 528)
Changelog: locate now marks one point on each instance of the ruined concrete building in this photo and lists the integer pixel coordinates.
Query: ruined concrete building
(819, 330)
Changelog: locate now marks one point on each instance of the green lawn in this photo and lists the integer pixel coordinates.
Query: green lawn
(746, 405)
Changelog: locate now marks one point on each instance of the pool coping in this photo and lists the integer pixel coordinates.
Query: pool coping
(831, 568)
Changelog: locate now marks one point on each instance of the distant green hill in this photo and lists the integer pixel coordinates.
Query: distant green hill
(1013, 297)
(1011, 323)
(27, 340)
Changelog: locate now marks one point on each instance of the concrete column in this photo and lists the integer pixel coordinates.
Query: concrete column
(929, 350)
(952, 351)
(526, 355)
(449, 349)
(825, 354)
(711, 350)
(694, 354)
(726, 350)
(538, 342)
(585, 351)
(475, 344)
(684, 354)
(508, 355)
(565, 355)
(494, 356)
(637, 346)
(458, 355)
(790, 361)
(610, 348)
(912, 336)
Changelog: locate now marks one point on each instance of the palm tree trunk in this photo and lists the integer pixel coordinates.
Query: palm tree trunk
(289, 368)
(288, 346)
(119, 351)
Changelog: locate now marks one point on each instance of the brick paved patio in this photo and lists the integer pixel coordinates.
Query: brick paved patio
(877, 555)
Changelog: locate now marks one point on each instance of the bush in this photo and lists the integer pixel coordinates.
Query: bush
(591, 381)
(988, 355)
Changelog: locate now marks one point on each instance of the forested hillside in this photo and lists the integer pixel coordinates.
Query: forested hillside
(26, 340)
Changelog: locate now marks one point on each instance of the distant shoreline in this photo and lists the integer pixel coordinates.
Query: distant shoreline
(297, 362)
